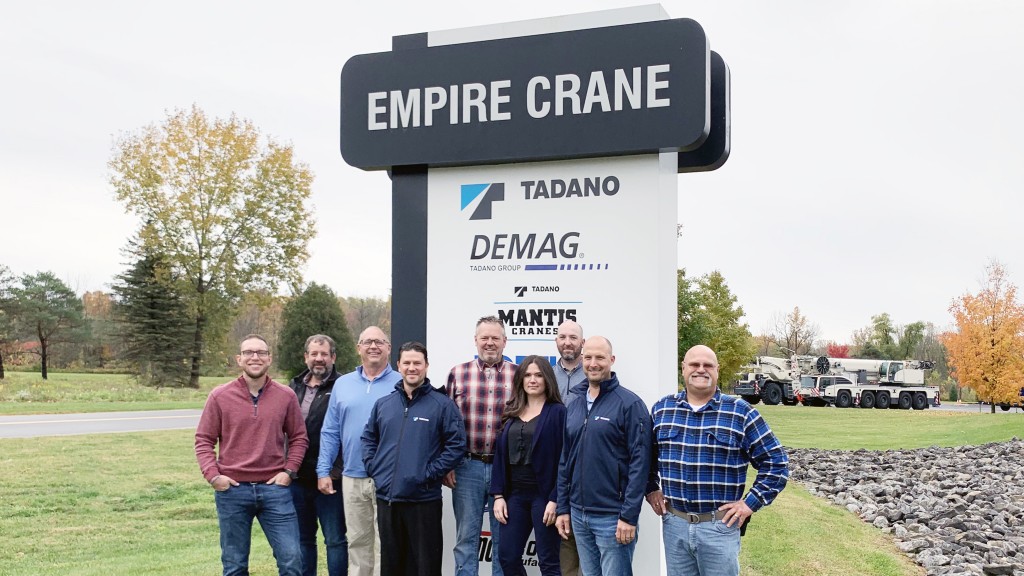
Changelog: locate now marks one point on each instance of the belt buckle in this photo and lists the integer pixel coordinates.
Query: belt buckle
(693, 518)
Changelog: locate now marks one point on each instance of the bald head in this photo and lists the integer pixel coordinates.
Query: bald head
(598, 359)
(374, 349)
(701, 349)
(569, 342)
(700, 373)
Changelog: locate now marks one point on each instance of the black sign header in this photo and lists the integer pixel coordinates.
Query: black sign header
(630, 89)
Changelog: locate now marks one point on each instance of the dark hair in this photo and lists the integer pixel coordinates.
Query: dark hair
(413, 347)
(515, 406)
(319, 339)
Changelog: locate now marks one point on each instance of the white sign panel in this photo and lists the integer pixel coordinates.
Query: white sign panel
(536, 244)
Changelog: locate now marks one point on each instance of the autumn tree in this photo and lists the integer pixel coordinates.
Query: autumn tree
(48, 311)
(224, 205)
(794, 332)
(834, 350)
(260, 313)
(764, 344)
(103, 343)
(370, 311)
(709, 314)
(931, 348)
(314, 311)
(986, 352)
(153, 320)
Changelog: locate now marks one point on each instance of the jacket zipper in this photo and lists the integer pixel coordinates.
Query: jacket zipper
(398, 453)
(583, 446)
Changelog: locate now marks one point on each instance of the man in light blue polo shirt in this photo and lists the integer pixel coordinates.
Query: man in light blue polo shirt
(354, 396)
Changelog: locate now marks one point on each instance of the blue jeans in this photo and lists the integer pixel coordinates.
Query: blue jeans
(311, 505)
(472, 485)
(272, 506)
(600, 554)
(705, 549)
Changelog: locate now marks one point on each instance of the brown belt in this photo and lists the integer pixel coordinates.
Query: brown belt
(697, 518)
(485, 458)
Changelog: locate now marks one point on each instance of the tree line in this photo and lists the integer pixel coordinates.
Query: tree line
(141, 326)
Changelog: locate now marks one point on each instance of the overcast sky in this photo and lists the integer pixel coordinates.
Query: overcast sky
(876, 146)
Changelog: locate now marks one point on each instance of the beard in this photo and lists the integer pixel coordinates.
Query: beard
(319, 370)
(256, 372)
(570, 355)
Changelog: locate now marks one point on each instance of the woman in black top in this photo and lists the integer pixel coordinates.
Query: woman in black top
(525, 472)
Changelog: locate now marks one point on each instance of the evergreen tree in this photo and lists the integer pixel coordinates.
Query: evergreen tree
(49, 312)
(154, 321)
(315, 311)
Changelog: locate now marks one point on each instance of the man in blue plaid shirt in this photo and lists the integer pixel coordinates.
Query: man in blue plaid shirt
(702, 443)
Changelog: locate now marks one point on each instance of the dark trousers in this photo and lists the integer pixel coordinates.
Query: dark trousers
(411, 538)
(526, 514)
(312, 506)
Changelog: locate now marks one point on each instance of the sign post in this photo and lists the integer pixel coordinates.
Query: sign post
(534, 177)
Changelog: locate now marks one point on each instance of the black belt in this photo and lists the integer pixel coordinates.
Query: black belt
(697, 518)
(485, 458)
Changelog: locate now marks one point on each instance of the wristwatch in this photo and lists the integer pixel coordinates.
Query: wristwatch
(291, 474)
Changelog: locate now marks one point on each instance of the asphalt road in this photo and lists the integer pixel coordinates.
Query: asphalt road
(96, 423)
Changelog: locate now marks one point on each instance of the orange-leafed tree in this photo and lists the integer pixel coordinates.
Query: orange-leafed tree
(837, 350)
(986, 352)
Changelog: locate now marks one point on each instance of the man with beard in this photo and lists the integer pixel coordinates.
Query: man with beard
(414, 436)
(354, 396)
(248, 421)
(479, 388)
(313, 389)
(703, 441)
(568, 368)
(604, 468)
(569, 374)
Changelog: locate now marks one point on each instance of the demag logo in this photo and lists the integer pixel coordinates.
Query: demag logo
(481, 196)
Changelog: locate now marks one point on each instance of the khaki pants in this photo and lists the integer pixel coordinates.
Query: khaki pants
(568, 556)
(361, 526)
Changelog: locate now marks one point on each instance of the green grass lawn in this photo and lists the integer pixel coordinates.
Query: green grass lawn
(852, 429)
(28, 393)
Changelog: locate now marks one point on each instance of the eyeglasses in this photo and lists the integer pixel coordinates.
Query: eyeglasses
(251, 353)
(374, 342)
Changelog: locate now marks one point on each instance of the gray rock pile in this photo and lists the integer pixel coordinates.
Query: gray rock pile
(956, 511)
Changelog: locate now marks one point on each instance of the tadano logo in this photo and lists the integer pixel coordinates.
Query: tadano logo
(482, 196)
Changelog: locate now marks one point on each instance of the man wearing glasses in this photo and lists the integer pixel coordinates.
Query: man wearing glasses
(354, 396)
(249, 420)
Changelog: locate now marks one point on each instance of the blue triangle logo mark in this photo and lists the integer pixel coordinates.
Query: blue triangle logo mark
(470, 192)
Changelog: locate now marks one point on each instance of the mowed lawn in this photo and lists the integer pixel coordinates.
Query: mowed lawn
(135, 503)
(28, 393)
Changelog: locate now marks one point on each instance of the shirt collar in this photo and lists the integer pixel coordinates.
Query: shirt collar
(497, 366)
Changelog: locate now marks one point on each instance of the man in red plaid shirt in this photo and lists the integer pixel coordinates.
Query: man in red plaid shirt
(479, 388)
